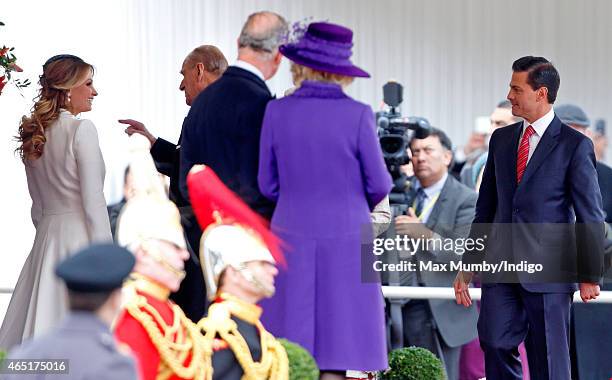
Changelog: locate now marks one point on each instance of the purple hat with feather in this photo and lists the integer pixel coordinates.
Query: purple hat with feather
(324, 47)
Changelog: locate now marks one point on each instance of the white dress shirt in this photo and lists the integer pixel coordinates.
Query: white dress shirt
(250, 68)
(431, 194)
(539, 126)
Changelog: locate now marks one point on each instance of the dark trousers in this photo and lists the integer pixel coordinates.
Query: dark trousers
(191, 296)
(420, 330)
(510, 314)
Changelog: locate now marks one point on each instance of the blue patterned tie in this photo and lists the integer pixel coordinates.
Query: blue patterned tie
(420, 201)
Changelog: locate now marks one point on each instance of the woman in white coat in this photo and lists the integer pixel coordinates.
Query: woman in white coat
(65, 173)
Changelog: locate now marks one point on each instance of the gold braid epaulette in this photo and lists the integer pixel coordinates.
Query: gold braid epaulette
(174, 343)
(273, 365)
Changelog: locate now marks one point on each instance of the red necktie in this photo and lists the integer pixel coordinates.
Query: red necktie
(523, 154)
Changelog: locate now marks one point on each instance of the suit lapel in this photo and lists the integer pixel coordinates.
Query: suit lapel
(180, 140)
(435, 211)
(511, 150)
(546, 145)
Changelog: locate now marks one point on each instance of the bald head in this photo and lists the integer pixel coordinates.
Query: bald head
(263, 32)
(261, 35)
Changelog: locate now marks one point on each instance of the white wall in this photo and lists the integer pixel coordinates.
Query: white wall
(452, 56)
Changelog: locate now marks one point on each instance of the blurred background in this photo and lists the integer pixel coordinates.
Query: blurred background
(453, 57)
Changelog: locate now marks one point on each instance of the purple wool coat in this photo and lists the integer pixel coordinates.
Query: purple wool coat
(320, 160)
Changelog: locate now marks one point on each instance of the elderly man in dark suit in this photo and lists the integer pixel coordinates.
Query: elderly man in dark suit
(82, 346)
(591, 359)
(539, 203)
(223, 127)
(442, 208)
(204, 65)
(576, 118)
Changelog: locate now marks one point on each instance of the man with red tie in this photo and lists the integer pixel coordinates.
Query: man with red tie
(539, 203)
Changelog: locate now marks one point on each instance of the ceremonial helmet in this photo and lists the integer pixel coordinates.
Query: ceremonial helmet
(149, 214)
(233, 233)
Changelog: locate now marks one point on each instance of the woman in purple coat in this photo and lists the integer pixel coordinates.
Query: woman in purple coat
(320, 160)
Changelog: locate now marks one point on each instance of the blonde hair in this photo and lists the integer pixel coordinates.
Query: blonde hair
(60, 74)
(301, 73)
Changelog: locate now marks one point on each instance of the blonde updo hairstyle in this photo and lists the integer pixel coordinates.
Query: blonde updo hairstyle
(60, 74)
(301, 73)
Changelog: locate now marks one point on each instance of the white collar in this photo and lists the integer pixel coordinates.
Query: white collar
(436, 188)
(542, 123)
(67, 113)
(250, 68)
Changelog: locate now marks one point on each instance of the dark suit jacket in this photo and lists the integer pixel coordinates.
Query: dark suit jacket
(225, 364)
(114, 211)
(554, 216)
(604, 177)
(222, 131)
(191, 296)
(167, 157)
(450, 218)
(591, 322)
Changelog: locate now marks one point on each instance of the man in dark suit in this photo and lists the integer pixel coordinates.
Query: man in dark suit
(576, 118)
(204, 65)
(540, 193)
(442, 208)
(591, 359)
(600, 139)
(223, 127)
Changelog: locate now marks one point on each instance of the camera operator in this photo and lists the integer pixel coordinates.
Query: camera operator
(395, 133)
(440, 207)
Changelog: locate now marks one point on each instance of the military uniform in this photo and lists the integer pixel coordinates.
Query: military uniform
(166, 343)
(88, 345)
(237, 336)
(83, 338)
(242, 349)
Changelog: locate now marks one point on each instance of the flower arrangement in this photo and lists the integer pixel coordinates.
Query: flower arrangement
(296, 31)
(7, 66)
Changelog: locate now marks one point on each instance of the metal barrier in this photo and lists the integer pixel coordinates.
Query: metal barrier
(399, 295)
(417, 292)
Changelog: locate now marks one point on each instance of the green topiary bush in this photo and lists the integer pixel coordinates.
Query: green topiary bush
(413, 363)
(302, 366)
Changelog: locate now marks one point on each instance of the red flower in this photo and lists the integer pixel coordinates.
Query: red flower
(15, 67)
(2, 83)
(3, 51)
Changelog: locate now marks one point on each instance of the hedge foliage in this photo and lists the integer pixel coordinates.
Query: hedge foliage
(413, 363)
(302, 366)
